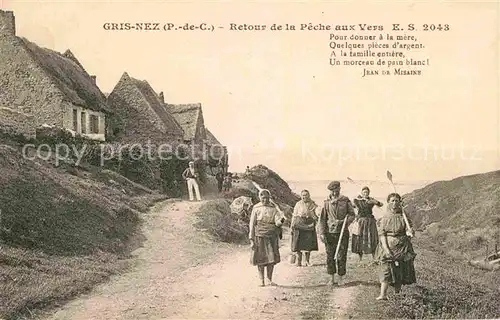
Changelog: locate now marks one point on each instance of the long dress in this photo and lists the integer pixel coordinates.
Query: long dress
(398, 269)
(265, 222)
(304, 237)
(366, 241)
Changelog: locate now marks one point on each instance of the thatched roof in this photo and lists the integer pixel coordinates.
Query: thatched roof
(187, 116)
(154, 102)
(211, 138)
(71, 79)
(68, 54)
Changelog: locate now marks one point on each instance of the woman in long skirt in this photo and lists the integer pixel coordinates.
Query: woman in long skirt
(303, 225)
(265, 222)
(366, 239)
(395, 250)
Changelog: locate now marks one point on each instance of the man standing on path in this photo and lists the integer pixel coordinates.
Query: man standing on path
(191, 176)
(336, 208)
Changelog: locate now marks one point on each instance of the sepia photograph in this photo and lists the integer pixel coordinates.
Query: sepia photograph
(249, 160)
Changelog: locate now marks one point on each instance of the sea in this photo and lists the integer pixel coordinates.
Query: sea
(378, 189)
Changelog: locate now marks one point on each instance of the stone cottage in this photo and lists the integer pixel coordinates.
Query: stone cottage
(216, 148)
(218, 156)
(53, 88)
(190, 117)
(139, 115)
(211, 139)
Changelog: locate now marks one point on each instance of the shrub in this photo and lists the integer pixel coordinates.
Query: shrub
(238, 192)
(158, 173)
(216, 218)
(15, 137)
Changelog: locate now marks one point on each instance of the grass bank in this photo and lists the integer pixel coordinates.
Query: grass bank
(446, 288)
(461, 215)
(31, 281)
(62, 230)
(459, 220)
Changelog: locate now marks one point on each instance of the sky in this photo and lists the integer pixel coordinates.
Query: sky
(273, 98)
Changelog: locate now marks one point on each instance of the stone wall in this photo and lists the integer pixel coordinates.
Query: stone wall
(15, 122)
(25, 87)
(68, 121)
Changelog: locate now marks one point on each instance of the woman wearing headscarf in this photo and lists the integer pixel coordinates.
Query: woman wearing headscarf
(303, 226)
(395, 250)
(266, 220)
(366, 239)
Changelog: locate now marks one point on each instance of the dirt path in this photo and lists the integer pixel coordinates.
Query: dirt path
(181, 273)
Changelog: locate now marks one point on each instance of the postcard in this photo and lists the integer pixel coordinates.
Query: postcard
(249, 160)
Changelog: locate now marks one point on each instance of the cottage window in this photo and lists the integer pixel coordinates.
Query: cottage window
(75, 120)
(83, 120)
(94, 124)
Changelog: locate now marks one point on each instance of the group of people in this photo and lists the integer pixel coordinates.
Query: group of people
(388, 240)
(224, 181)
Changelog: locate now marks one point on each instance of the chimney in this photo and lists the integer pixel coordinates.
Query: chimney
(93, 79)
(7, 23)
(162, 98)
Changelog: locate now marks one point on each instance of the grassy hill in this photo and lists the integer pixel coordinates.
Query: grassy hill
(446, 288)
(459, 220)
(460, 216)
(62, 229)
